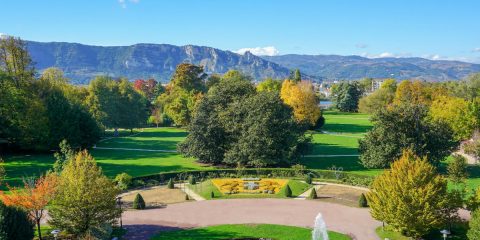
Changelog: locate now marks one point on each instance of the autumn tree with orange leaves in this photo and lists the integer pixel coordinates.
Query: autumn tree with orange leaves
(302, 99)
(33, 197)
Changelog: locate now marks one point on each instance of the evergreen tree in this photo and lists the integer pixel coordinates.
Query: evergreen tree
(308, 179)
(362, 201)
(170, 184)
(288, 191)
(15, 224)
(313, 194)
(138, 202)
(346, 96)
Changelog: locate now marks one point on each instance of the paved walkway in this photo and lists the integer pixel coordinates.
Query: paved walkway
(356, 222)
(189, 192)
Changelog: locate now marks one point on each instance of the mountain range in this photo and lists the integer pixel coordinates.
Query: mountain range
(81, 63)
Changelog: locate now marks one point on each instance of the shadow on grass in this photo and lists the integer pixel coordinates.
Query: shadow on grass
(346, 128)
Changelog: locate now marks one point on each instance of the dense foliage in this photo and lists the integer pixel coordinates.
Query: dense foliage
(411, 197)
(138, 202)
(235, 125)
(301, 97)
(402, 127)
(15, 224)
(85, 199)
(346, 95)
(474, 226)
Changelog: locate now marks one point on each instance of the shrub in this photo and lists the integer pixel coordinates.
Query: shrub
(123, 181)
(186, 197)
(474, 224)
(313, 194)
(308, 179)
(139, 203)
(362, 201)
(15, 224)
(212, 195)
(170, 184)
(288, 191)
(192, 180)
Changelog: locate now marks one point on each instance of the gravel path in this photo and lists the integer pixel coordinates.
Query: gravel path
(356, 222)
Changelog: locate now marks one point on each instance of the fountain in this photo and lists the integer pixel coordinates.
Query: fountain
(320, 229)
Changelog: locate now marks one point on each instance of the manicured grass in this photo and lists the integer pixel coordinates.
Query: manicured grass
(135, 163)
(205, 189)
(277, 232)
(458, 232)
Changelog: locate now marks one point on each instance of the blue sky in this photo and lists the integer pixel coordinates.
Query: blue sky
(426, 28)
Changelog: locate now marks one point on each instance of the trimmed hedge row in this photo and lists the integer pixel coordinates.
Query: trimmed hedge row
(183, 176)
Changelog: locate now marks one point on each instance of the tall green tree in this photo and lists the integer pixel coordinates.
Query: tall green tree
(379, 99)
(410, 197)
(189, 77)
(345, 96)
(15, 61)
(270, 85)
(85, 198)
(405, 127)
(15, 224)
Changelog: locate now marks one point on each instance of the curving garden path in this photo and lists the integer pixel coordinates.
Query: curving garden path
(355, 222)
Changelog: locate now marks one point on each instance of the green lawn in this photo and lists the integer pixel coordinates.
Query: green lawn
(277, 232)
(205, 189)
(135, 163)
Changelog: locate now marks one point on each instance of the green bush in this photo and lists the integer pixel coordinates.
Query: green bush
(186, 197)
(313, 194)
(15, 224)
(139, 203)
(192, 180)
(362, 201)
(212, 194)
(474, 224)
(288, 191)
(170, 184)
(123, 181)
(308, 179)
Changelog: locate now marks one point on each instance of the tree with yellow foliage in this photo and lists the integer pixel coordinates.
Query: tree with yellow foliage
(415, 92)
(411, 197)
(456, 113)
(301, 97)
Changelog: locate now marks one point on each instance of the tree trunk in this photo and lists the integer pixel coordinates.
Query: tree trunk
(38, 229)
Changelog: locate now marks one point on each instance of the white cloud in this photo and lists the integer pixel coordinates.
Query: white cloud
(123, 3)
(386, 55)
(259, 51)
(361, 45)
(476, 49)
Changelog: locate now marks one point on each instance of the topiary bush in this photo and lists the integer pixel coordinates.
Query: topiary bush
(212, 195)
(308, 179)
(186, 197)
(288, 191)
(15, 224)
(313, 194)
(139, 203)
(362, 201)
(192, 180)
(170, 184)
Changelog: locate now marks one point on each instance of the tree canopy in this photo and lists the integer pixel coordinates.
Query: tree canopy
(346, 95)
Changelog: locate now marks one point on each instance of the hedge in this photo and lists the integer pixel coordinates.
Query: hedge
(182, 176)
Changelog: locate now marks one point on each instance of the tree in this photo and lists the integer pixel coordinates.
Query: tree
(15, 224)
(301, 97)
(457, 113)
(170, 184)
(474, 226)
(308, 179)
(270, 85)
(405, 127)
(410, 196)
(61, 157)
(345, 96)
(85, 200)
(379, 99)
(288, 191)
(150, 88)
(362, 201)
(313, 194)
(188, 77)
(15, 61)
(123, 181)
(415, 92)
(457, 169)
(296, 76)
(138, 202)
(179, 105)
(33, 197)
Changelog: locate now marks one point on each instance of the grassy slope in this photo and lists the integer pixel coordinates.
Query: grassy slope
(278, 232)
